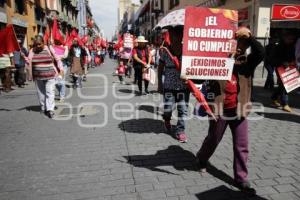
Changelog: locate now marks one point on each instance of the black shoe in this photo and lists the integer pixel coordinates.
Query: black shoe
(246, 188)
(50, 114)
(202, 165)
(139, 93)
(147, 92)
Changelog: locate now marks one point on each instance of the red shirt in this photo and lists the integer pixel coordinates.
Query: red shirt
(143, 52)
(121, 69)
(231, 93)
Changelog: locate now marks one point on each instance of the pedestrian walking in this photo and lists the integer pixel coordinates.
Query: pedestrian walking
(19, 61)
(121, 71)
(43, 71)
(126, 56)
(6, 66)
(142, 58)
(175, 91)
(87, 60)
(284, 55)
(231, 107)
(76, 56)
(62, 52)
(269, 84)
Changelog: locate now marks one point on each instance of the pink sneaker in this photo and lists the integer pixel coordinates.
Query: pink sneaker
(181, 137)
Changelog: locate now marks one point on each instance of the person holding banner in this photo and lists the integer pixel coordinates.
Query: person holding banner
(284, 56)
(175, 90)
(231, 106)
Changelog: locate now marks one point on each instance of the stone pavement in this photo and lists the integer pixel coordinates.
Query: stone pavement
(113, 147)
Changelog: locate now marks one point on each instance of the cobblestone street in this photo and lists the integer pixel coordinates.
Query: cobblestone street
(115, 147)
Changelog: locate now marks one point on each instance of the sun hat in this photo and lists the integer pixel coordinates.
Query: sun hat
(141, 39)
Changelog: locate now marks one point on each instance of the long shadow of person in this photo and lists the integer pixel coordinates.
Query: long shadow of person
(289, 117)
(143, 125)
(149, 109)
(174, 156)
(180, 159)
(31, 108)
(224, 193)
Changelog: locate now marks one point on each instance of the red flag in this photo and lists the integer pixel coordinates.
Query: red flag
(85, 39)
(103, 43)
(200, 97)
(68, 40)
(9, 41)
(74, 33)
(56, 35)
(120, 41)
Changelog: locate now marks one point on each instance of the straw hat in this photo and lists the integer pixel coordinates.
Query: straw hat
(141, 39)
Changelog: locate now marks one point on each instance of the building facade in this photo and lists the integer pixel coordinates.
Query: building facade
(255, 14)
(22, 15)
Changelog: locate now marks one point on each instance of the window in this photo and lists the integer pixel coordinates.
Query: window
(20, 7)
(2, 3)
(173, 3)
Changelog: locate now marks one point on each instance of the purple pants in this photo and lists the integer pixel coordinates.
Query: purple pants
(239, 129)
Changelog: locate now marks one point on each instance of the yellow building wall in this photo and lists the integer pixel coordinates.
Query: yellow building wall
(28, 17)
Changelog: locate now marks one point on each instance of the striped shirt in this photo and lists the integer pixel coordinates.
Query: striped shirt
(42, 66)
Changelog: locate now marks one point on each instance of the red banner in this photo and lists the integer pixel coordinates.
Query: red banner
(9, 42)
(208, 42)
(290, 77)
(285, 12)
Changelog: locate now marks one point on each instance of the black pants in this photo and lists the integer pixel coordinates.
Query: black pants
(20, 76)
(139, 76)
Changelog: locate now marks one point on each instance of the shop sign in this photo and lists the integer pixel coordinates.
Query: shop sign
(3, 17)
(19, 22)
(285, 12)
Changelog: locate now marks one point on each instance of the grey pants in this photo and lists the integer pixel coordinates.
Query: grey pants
(46, 94)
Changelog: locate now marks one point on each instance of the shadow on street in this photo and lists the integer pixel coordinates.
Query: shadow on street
(225, 193)
(181, 160)
(143, 125)
(289, 117)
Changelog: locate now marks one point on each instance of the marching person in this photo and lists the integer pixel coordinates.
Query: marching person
(284, 55)
(76, 56)
(19, 61)
(173, 88)
(125, 56)
(6, 66)
(231, 107)
(43, 71)
(87, 60)
(142, 58)
(121, 72)
(62, 53)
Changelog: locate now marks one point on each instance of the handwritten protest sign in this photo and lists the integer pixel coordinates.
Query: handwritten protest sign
(208, 43)
(128, 40)
(290, 77)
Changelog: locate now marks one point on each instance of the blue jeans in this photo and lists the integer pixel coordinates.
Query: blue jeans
(281, 93)
(61, 84)
(181, 98)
